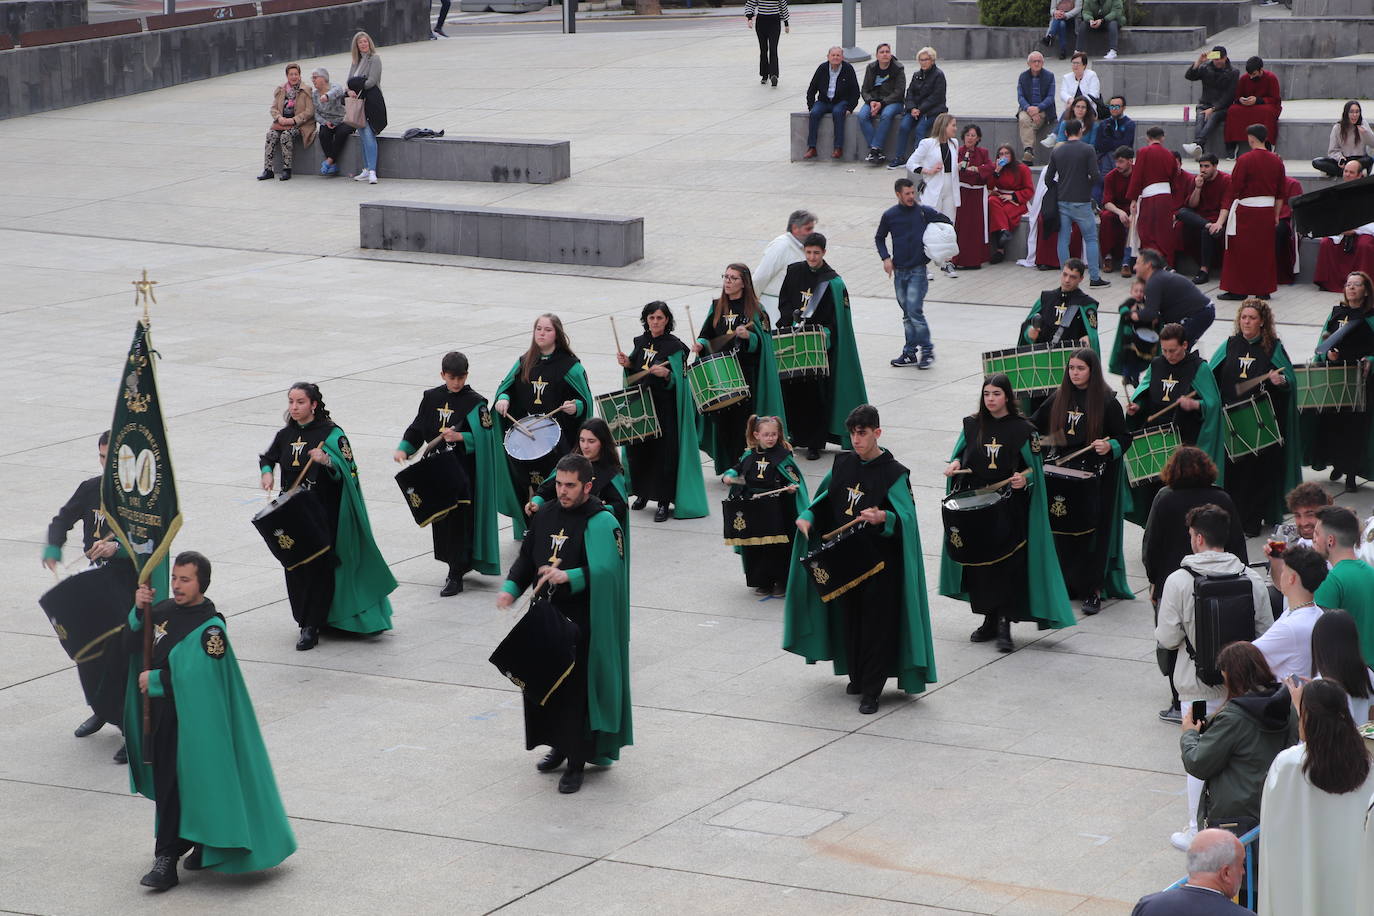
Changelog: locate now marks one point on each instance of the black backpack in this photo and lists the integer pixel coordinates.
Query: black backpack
(1223, 612)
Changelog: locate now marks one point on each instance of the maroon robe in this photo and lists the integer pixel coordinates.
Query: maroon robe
(1334, 264)
(1266, 110)
(1111, 231)
(1005, 215)
(1250, 267)
(1285, 242)
(1047, 246)
(1155, 215)
(971, 219)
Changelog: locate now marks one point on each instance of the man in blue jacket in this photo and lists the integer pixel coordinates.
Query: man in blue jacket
(834, 90)
(1034, 104)
(906, 265)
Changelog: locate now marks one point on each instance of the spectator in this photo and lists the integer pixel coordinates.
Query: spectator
(906, 223)
(1063, 28)
(1216, 868)
(971, 223)
(365, 82)
(1352, 250)
(925, 101)
(1336, 657)
(1201, 209)
(1034, 103)
(1189, 478)
(293, 118)
(1073, 169)
(1209, 527)
(1170, 297)
(1115, 218)
(1011, 187)
(329, 115)
(834, 91)
(1081, 110)
(1350, 584)
(1249, 215)
(1080, 81)
(783, 251)
(1304, 501)
(1151, 196)
(1287, 645)
(1110, 15)
(882, 92)
(934, 160)
(1314, 857)
(439, 23)
(1257, 101)
(768, 19)
(1113, 133)
(1350, 139)
(1213, 69)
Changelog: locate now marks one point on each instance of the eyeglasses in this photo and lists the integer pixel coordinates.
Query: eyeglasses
(1113, 106)
(924, 57)
(731, 277)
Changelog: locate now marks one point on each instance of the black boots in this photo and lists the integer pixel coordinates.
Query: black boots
(1004, 643)
(999, 246)
(985, 632)
(310, 636)
(163, 876)
(552, 761)
(571, 780)
(452, 586)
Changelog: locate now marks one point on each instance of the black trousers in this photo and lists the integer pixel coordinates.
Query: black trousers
(332, 139)
(452, 536)
(165, 783)
(871, 630)
(1207, 245)
(311, 590)
(768, 29)
(1332, 167)
(562, 722)
(808, 411)
(443, 14)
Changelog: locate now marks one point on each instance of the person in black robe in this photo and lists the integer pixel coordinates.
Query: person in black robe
(597, 445)
(766, 467)
(1043, 323)
(1342, 436)
(653, 462)
(805, 301)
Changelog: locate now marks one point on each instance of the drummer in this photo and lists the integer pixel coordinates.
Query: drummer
(465, 537)
(768, 467)
(1341, 438)
(814, 296)
(1132, 350)
(738, 325)
(1000, 447)
(666, 468)
(1085, 417)
(597, 445)
(1042, 325)
(547, 380)
(1178, 388)
(1253, 359)
(347, 587)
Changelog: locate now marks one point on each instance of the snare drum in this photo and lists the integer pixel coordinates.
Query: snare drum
(1074, 497)
(295, 528)
(1251, 427)
(717, 381)
(532, 438)
(754, 522)
(434, 485)
(982, 529)
(1150, 450)
(1145, 342)
(843, 563)
(630, 414)
(1034, 370)
(1334, 386)
(800, 352)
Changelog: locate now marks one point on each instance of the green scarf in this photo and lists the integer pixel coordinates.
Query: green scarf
(362, 580)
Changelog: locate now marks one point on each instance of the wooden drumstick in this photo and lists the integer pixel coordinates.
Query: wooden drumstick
(616, 335)
(690, 322)
(301, 475)
(770, 493)
(633, 379)
(88, 553)
(994, 487)
(843, 528)
(1162, 411)
(1071, 455)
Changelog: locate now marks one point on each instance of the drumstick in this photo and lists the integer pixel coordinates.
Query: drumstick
(690, 322)
(994, 487)
(1161, 412)
(615, 334)
(1071, 456)
(97, 544)
(1252, 384)
(961, 471)
(770, 493)
(301, 475)
(845, 527)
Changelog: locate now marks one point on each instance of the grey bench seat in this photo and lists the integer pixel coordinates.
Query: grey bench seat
(452, 159)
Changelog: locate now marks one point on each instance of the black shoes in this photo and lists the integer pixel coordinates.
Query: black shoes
(905, 359)
(266, 175)
(639, 503)
(194, 862)
(852, 689)
(1092, 604)
(1351, 484)
(163, 876)
(986, 632)
(664, 513)
(285, 175)
(1174, 714)
(571, 781)
(775, 81)
(310, 637)
(89, 727)
(552, 761)
(1232, 297)
(452, 586)
(1335, 475)
(1045, 40)
(868, 706)
(1004, 643)
(813, 454)
(121, 756)
(1099, 282)
(1201, 277)
(763, 81)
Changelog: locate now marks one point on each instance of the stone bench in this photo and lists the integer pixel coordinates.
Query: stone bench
(1316, 38)
(1161, 82)
(19, 16)
(960, 42)
(499, 232)
(1212, 15)
(1333, 7)
(452, 159)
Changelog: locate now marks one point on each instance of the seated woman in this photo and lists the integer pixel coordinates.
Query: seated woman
(1350, 139)
(329, 118)
(1063, 27)
(293, 118)
(1011, 188)
(1079, 81)
(1084, 111)
(971, 219)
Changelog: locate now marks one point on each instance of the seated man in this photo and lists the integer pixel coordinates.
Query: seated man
(1115, 216)
(1034, 104)
(1352, 250)
(1257, 101)
(1201, 209)
(883, 89)
(834, 91)
(1105, 14)
(1218, 78)
(1216, 865)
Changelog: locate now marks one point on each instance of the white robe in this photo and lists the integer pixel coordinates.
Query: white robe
(942, 189)
(781, 253)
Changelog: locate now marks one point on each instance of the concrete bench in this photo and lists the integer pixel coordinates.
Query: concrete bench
(960, 42)
(1161, 82)
(1212, 15)
(1333, 7)
(19, 16)
(499, 232)
(1316, 38)
(452, 159)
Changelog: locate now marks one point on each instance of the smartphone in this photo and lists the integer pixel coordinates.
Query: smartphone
(1199, 711)
(1214, 55)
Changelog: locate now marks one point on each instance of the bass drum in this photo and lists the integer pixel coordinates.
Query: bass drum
(434, 485)
(982, 529)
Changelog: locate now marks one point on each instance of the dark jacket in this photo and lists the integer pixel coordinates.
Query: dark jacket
(1188, 901)
(1218, 86)
(1073, 170)
(1111, 134)
(1232, 756)
(1046, 84)
(374, 103)
(846, 86)
(926, 92)
(907, 226)
(1166, 532)
(892, 88)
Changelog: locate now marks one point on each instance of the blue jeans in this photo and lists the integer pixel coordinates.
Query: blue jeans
(911, 285)
(369, 148)
(836, 110)
(905, 146)
(1113, 31)
(876, 135)
(1063, 32)
(1080, 214)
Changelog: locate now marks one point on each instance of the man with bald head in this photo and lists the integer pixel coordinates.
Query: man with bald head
(834, 91)
(1216, 865)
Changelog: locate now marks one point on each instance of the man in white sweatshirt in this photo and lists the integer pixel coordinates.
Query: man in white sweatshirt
(783, 251)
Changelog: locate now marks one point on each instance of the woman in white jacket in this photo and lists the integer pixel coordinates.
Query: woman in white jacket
(935, 161)
(1080, 80)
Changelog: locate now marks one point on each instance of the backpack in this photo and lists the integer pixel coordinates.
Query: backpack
(1223, 612)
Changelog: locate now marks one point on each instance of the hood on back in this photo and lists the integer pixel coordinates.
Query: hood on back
(1214, 563)
(1269, 706)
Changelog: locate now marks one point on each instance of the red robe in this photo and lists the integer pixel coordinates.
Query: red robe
(1334, 264)
(1268, 105)
(1250, 267)
(1111, 232)
(1285, 242)
(1047, 246)
(1155, 215)
(1209, 208)
(971, 219)
(1005, 215)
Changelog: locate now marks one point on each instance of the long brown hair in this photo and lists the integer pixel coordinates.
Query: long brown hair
(1337, 761)
(1268, 337)
(560, 345)
(999, 380)
(748, 297)
(1098, 392)
(1244, 668)
(602, 430)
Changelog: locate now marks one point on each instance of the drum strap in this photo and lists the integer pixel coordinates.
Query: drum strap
(1069, 315)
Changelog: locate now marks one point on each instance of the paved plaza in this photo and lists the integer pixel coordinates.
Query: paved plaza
(1029, 783)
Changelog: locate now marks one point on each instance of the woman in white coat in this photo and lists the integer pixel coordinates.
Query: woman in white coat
(935, 161)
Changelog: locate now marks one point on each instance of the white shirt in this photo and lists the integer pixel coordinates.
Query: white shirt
(834, 78)
(783, 251)
(1287, 645)
(1070, 84)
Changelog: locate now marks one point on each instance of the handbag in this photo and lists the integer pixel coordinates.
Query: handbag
(355, 113)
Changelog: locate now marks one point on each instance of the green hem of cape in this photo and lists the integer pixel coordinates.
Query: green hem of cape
(1211, 437)
(362, 579)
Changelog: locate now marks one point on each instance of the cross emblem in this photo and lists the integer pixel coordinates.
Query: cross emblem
(650, 354)
(762, 464)
(445, 414)
(1245, 363)
(853, 494)
(1168, 384)
(556, 542)
(1073, 417)
(296, 448)
(730, 319)
(538, 384)
(993, 448)
(1059, 311)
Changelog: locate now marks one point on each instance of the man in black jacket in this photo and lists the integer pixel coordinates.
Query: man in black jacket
(1218, 78)
(834, 90)
(1216, 865)
(925, 101)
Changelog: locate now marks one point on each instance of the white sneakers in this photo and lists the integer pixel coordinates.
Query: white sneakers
(1192, 149)
(1049, 142)
(1110, 55)
(365, 175)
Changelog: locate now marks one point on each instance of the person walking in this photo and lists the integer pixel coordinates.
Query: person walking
(768, 19)
(906, 223)
(1073, 171)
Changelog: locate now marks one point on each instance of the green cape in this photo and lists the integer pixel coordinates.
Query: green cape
(846, 379)
(1089, 322)
(512, 504)
(1274, 506)
(229, 800)
(1312, 417)
(362, 580)
(1117, 361)
(691, 485)
(608, 656)
(1047, 600)
(767, 397)
(803, 501)
(814, 629)
(1115, 488)
(1211, 438)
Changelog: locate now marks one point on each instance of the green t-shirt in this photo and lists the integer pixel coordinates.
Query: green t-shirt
(1350, 586)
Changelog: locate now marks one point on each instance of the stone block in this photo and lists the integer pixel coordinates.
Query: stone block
(1212, 15)
(455, 159)
(1333, 7)
(958, 42)
(900, 12)
(84, 32)
(19, 16)
(1315, 38)
(1156, 82)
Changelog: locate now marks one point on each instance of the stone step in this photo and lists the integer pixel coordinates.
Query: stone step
(1333, 7)
(19, 16)
(959, 42)
(877, 13)
(1161, 82)
(1213, 15)
(452, 159)
(1317, 38)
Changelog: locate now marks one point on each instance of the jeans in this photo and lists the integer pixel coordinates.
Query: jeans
(837, 110)
(1080, 213)
(875, 135)
(1332, 167)
(905, 147)
(911, 285)
(768, 29)
(1113, 32)
(1063, 32)
(1197, 323)
(369, 148)
(1208, 124)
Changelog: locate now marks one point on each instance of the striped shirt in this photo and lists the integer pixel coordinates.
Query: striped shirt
(765, 8)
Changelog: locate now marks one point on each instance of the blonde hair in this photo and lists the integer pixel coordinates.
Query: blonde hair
(937, 130)
(353, 48)
(928, 50)
(751, 429)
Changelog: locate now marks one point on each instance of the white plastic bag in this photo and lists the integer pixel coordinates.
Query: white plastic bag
(941, 243)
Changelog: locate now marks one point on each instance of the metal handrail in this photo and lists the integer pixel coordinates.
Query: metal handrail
(1249, 840)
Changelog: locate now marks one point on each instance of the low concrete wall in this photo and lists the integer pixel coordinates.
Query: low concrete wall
(959, 42)
(875, 13)
(1213, 15)
(18, 16)
(498, 232)
(58, 76)
(1333, 7)
(1317, 39)
(453, 159)
(1156, 82)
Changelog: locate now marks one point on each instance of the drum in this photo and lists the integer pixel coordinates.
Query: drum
(1074, 497)
(1330, 386)
(1150, 450)
(1144, 342)
(1251, 427)
(87, 612)
(1036, 369)
(843, 562)
(539, 652)
(755, 521)
(434, 485)
(533, 437)
(717, 381)
(295, 528)
(630, 414)
(800, 352)
(982, 529)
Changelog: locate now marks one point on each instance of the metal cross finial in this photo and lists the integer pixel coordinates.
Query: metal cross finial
(143, 293)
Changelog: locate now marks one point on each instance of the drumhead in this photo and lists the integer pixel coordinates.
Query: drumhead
(533, 438)
(961, 502)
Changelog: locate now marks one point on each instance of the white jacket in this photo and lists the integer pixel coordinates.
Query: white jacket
(1070, 85)
(942, 189)
(782, 252)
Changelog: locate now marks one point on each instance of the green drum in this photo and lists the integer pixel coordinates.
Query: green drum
(800, 352)
(1251, 427)
(1034, 370)
(717, 381)
(1150, 450)
(630, 414)
(1324, 386)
